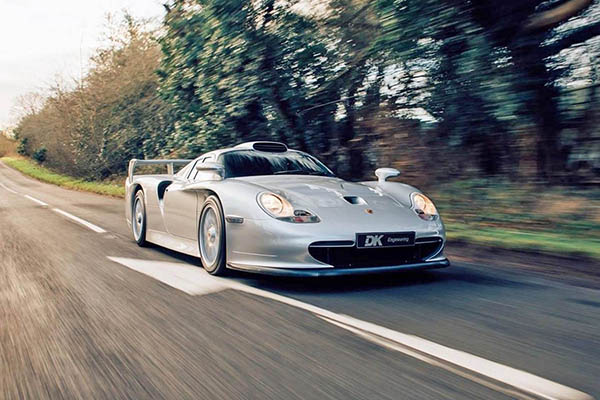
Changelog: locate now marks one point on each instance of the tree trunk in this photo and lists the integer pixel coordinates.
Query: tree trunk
(348, 128)
(273, 81)
(540, 105)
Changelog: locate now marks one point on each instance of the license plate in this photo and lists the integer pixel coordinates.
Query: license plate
(377, 239)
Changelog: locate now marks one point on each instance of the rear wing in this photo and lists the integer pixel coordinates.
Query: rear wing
(169, 163)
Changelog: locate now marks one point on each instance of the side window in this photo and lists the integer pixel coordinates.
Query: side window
(198, 174)
(192, 172)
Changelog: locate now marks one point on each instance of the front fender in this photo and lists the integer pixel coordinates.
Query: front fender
(399, 191)
(237, 198)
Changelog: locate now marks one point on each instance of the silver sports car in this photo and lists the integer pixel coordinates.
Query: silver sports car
(262, 207)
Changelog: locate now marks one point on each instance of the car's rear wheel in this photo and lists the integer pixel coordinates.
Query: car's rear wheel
(211, 237)
(138, 218)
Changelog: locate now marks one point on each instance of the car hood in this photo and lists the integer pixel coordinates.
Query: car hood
(335, 199)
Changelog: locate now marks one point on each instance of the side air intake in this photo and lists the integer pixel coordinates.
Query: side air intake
(272, 147)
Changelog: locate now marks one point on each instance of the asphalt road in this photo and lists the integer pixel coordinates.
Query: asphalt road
(147, 323)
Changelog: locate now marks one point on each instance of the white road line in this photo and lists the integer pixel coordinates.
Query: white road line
(41, 203)
(516, 378)
(83, 222)
(198, 280)
(180, 276)
(433, 361)
(9, 189)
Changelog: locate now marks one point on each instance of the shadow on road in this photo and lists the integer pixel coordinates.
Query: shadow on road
(346, 284)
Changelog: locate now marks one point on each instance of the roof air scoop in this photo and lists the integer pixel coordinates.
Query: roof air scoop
(271, 147)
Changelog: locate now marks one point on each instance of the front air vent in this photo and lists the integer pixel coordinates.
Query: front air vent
(333, 243)
(271, 147)
(341, 254)
(354, 200)
(162, 188)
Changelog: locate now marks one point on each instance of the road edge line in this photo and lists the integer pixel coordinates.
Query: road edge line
(41, 203)
(80, 221)
(9, 189)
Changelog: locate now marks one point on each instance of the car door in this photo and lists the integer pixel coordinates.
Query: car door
(180, 206)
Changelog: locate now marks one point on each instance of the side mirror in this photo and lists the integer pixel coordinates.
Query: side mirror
(384, 173)
(216, 168)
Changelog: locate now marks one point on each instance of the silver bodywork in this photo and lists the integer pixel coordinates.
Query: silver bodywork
(255, 241)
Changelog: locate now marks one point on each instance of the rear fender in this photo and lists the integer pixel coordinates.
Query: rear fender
(152, 185)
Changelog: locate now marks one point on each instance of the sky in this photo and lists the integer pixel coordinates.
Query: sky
(41, 40)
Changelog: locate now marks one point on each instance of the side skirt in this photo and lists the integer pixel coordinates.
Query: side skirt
(182, 245)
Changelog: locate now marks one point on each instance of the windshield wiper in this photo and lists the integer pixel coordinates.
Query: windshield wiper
(299, 172)
(290, 171)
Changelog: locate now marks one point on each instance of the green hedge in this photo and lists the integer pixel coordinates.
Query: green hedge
(38, 172)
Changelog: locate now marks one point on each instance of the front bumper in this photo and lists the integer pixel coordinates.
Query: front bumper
(275, 244)
(322, 272)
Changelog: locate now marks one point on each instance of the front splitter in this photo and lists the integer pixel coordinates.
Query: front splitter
(320, 272)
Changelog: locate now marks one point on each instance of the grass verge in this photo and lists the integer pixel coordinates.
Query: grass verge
(541, 242)
(535, 218)
(40, 173)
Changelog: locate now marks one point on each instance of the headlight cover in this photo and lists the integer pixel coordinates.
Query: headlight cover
(279, 208)
(423, 206)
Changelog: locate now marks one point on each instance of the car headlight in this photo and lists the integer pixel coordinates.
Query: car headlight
(424, 207)
(278, 207)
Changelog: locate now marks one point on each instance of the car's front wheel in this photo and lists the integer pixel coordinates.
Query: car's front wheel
(211, 237)
(138, 218)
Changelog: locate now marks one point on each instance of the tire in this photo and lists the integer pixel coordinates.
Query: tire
(211, 237)
(138, 219)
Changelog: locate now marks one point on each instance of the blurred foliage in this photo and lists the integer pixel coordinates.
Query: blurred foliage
(40, 154)
(22, 147)
(7, 146)
(112, 115)
(236, 71)
(355, 82)
(442, 89)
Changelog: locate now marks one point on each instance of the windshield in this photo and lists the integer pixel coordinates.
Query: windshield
(252, 163)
